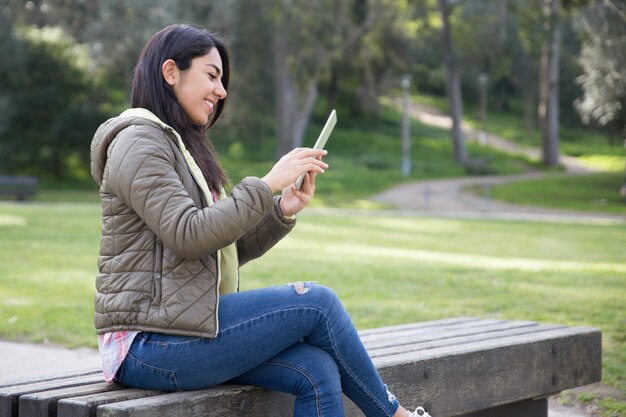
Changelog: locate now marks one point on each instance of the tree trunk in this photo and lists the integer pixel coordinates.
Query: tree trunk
(283, 94)
(453, 84)
(292, 111)
(548, 110)
(369, 95)
(503, 12)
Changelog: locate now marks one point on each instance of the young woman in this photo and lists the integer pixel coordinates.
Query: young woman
(169, 313)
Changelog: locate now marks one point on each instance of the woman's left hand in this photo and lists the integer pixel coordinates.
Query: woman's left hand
(293, 201)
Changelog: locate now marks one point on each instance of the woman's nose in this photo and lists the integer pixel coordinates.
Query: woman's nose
(220, 92)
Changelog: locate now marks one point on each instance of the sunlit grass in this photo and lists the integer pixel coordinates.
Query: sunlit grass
(609, 163)
(592, 193)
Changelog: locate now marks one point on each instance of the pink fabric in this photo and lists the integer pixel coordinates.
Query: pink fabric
(114, 347)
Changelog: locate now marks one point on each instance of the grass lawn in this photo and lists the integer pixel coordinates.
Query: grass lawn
(388, 270)
(593, 193)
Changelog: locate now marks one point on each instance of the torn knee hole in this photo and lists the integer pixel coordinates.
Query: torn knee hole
(301, 288)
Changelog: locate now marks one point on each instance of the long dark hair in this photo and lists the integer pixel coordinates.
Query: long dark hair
(181, 43)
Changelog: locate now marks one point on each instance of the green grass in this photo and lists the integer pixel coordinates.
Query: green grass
(47, 271)
(387, 269)
(589, 192)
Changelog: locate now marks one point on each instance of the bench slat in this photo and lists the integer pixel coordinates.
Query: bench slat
(7, 180)
(444, 334)
(44, 403)
(419, 325)
(396, 334)
(85, 405)
(9, 396)
(451, 341)
(222, 401)
(46, 378)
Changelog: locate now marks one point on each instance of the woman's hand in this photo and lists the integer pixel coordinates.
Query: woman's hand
(297, 162)
(293, 201)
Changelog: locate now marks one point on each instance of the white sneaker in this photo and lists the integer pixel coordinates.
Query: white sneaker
(419, 412)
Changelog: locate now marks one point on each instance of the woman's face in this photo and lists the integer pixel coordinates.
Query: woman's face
(199, 88)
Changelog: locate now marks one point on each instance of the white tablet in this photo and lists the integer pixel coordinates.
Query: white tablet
(321, 140)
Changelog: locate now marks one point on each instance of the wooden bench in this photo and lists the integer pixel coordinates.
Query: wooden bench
(456, 367)
(20, 187)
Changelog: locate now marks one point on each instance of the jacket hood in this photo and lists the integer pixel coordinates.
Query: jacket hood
(109, 130)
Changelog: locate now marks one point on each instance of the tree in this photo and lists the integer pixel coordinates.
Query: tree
(49, 115)
(453, 81)
(603, 59)
(548, 109)
(307, 37)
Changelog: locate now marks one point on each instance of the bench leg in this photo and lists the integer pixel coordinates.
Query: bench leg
(529, 408)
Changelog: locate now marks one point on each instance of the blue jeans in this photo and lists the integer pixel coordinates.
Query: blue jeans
(296, 339)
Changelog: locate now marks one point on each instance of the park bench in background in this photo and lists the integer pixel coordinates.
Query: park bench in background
(456, 367)
(20, 187)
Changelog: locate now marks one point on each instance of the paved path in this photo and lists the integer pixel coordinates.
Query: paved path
(21, 360)
(447, 196)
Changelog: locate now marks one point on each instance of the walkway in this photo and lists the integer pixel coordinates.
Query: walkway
(447, 196)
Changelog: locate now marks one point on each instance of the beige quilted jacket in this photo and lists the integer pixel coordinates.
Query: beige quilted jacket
(158, 254)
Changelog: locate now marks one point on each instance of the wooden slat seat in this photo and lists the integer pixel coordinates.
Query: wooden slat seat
(457, 367)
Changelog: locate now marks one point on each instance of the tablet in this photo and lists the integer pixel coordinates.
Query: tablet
(321, 140)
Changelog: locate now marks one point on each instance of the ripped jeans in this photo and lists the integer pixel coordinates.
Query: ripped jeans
(296, 339)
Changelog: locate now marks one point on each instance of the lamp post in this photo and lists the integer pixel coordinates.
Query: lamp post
(483, 79)
(622, 190)
(406, 126)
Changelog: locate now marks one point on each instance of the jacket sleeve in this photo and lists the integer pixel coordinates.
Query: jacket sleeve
(269, 231)
(142, 174)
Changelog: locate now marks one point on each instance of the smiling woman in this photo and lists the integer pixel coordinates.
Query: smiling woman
(168, 311)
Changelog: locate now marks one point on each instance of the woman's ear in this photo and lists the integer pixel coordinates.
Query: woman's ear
(170, 72)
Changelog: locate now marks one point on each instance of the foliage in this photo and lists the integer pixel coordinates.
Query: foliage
(355, 50)
(47, 113)
(603, 58)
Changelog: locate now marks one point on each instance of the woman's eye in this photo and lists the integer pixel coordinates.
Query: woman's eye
(212, 77)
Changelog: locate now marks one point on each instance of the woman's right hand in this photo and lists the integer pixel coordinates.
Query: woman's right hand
(297, 162)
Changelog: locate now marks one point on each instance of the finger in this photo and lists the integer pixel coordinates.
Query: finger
(317, 162)
(310, 152)
(310, 185)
